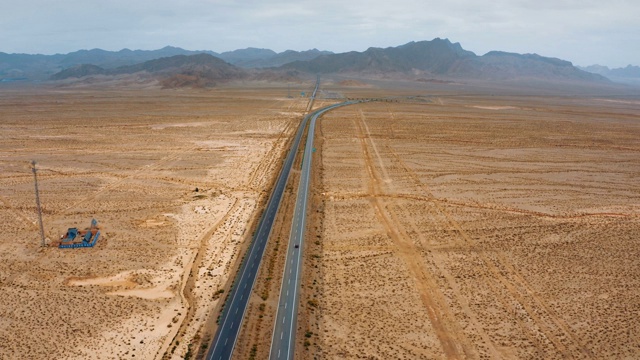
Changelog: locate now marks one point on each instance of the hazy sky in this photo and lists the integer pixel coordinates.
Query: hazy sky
(582, 31)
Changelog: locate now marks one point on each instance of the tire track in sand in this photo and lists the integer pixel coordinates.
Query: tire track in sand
(522, 299)
(450, 336)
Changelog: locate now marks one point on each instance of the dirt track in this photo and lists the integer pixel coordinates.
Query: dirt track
(479, 227)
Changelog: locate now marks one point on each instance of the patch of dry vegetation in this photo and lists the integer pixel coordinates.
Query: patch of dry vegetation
(352, 82)
(478, 227)
(132, 159)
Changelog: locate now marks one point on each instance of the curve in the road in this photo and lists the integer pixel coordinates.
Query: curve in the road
(284, 332)
(233, 314)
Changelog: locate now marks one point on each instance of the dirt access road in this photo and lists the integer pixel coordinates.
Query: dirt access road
(476, 227)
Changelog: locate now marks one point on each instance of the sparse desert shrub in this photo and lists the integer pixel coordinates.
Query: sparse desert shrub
(253, 352)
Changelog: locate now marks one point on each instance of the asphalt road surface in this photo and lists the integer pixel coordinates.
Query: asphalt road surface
(284, 331)
(225, 339)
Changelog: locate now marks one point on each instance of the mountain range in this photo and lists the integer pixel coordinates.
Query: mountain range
(627, 75)
(441, 58)
(196, 71)
(436, 59)
(42, 67)
(262, 58)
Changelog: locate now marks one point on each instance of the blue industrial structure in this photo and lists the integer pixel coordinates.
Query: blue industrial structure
(89, 239)
(72, 233)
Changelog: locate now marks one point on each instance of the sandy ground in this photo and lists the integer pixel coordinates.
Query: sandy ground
(440, 227)
(132, 159)
(476, 227)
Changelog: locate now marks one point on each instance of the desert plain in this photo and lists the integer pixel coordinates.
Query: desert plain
(481, 224)
(476, 226)
(173, 178)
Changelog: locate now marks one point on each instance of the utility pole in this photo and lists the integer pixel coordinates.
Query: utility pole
(35, 178)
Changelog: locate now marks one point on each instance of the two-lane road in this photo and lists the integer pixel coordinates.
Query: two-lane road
(284, 332)
(225, 339)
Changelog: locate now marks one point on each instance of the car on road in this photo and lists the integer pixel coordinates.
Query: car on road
(297, 246)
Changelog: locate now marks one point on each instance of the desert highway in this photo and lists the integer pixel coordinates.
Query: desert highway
(231, 319)
(284, 331)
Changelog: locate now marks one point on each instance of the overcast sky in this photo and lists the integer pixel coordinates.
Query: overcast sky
(582, 31)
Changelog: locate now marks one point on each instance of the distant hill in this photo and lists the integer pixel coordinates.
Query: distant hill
(241, 56)
(196, 71)
(440, 57)
(263, 58)
(202, 70)
(181, 62)
(113, 59)
(435, 56)
(498, 65)
(626, 75)
(31, 67)
(79, 71)
(41, 67)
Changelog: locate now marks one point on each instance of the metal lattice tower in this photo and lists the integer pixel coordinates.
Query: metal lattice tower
(35, 178)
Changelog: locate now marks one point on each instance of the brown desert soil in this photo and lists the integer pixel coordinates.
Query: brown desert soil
(475, 227)
(132, 159)
(352, 82)
(254, 340)
(440, 226)
(255, 336)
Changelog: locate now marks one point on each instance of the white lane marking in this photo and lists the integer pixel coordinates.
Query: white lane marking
(225, 342)
(252, 251)
(296, 232)
(281, 334)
